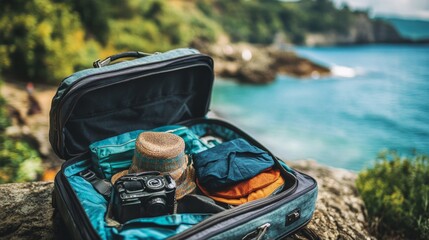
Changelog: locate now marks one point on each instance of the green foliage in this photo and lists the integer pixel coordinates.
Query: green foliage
(18, 161)
(259, 21)
(40, 39)
(248, 21)
(157, 26)
(47, 40)
(4, 119)
(396, 194)
(93, 16)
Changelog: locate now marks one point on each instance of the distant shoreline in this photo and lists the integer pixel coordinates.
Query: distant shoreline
(259, 64)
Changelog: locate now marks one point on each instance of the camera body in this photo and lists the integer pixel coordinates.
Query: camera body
(144, 194)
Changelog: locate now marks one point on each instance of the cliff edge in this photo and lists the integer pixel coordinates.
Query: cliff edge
(363, 30)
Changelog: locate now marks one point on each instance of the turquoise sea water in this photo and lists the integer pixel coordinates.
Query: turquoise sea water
(378, 98)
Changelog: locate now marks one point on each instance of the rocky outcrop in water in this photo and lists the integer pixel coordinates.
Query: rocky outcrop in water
(26, 211)
(255, 64)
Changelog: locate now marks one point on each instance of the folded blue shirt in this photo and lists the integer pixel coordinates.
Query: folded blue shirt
(229, 163)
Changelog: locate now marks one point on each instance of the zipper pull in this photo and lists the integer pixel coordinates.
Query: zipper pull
(258, 233)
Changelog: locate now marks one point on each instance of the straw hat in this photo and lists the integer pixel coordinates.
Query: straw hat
(163, 152)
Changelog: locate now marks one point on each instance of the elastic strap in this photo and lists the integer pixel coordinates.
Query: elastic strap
(102, 186)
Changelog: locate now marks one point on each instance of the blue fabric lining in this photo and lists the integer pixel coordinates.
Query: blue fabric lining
(76, 168)
(158, 227)
(95, 207)
(203, 128)
(115, 154)
(92, 202)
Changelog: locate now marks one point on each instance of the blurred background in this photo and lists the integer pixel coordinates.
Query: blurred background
(335, 81)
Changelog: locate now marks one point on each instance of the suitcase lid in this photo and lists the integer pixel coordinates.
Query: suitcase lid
(144, 93)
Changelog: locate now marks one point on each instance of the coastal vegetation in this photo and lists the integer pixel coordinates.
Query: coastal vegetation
(396, 195)
(19, 162)
(47, 40)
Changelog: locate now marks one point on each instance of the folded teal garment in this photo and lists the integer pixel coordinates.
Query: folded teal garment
(229, 163)
(160, 227)
(114, 154)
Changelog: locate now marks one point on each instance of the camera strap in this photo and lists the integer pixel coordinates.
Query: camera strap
(102, 186)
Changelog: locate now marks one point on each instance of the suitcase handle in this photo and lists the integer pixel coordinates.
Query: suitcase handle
(132, 54)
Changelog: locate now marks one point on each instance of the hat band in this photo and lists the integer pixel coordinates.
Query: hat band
(162, 165)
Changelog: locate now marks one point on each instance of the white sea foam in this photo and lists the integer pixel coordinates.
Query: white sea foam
(342, 71)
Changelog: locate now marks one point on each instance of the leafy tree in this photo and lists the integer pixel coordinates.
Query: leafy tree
(40, 39)
(157, 26)
(93, 15)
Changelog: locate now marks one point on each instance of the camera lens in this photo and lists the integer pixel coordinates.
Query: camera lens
(155, 183)
(156, 207)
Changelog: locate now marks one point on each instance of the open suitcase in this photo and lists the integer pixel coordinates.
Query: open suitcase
(152, 91)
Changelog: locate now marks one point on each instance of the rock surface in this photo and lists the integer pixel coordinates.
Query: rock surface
(340, 212)
(26, 212)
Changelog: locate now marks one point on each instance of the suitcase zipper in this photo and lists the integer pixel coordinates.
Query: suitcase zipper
(96, 78)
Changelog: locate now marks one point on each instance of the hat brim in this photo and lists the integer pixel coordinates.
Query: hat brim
(118, 175)
(188, 185)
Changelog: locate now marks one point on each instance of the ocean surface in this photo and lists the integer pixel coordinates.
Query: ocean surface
(377, 98)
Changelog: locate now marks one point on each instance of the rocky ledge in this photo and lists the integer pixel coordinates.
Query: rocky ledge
(26, 211)
(340, 212)
(258, 64)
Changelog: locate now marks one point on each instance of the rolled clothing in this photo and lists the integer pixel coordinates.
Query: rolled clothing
(263, 192)
(244, 188)
(229, 163)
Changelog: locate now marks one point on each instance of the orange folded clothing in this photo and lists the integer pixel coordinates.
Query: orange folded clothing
(260, 186)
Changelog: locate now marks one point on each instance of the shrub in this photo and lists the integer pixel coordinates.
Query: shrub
(396, 194)
(4, 120)
(19, 162)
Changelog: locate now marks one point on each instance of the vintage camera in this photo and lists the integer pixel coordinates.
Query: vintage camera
(144, 194)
